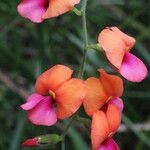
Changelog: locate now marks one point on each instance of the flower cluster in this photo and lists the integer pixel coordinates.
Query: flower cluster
(59, 96)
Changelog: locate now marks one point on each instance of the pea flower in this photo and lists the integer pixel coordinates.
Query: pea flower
(100, 91)
(117, 46)
(38, 10)
(68, 94)
(105, 123)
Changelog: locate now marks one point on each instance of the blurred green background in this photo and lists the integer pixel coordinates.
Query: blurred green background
(27, 49)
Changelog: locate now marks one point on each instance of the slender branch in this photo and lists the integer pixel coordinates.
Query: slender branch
(85, 38)
(76, 11)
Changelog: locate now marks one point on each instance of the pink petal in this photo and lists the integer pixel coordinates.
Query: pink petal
(132, 68)
(109, 144)
(32, 101)
(118, 102)
(43, 113)
(32, 9)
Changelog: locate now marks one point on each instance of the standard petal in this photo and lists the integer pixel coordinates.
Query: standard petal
(128, 40)
(43, 113)
(114, 115)
(32, 9)
(95, 97)
(58, 7)
(109, 144)
(52, 79)
(69, 97)
(112, 84)
(99, 129)
(32, 101)
(113, 46)
(132, 68)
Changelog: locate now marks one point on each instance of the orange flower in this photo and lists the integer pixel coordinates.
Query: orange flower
(99, 91)
(117, 46)
(66, 91)
(105, 122)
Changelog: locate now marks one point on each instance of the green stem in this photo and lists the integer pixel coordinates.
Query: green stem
(82, 65)
(85, 38)
(95, 47)
(76, 11)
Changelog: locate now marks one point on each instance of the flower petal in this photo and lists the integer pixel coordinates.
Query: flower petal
(69, 97)
(113, 46)
(128, 40)
(43, 113)
(112, 84)
(32, 101)
(132, 68)
(109, 144)
(114, 115)
(118, 102)
(95, 97)
(52, 79)
(32, 9)
(99, 129)
(58, 7)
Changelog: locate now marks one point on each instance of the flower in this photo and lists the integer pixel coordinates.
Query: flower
(38, 10)
(117, 46)
(105, 123)
(100, 91)
(67, 92)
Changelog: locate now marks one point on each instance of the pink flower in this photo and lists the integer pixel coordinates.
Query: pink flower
(117, 45)
(40, 110)
(38, 10)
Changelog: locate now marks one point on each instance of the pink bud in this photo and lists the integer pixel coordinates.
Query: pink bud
(30, 142)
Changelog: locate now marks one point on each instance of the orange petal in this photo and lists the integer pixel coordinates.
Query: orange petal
(128, 40)
(95, 97)
(69, 97)
(99, 129)
(114, 115)
(113, 46)
(112, 84)
(52, 79)
(58, 7)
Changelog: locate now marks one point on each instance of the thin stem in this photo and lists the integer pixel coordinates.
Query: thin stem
(76, 11)
(69, 124)
(63, 144)
(94, 46)
(85, 38)
(81, 70)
